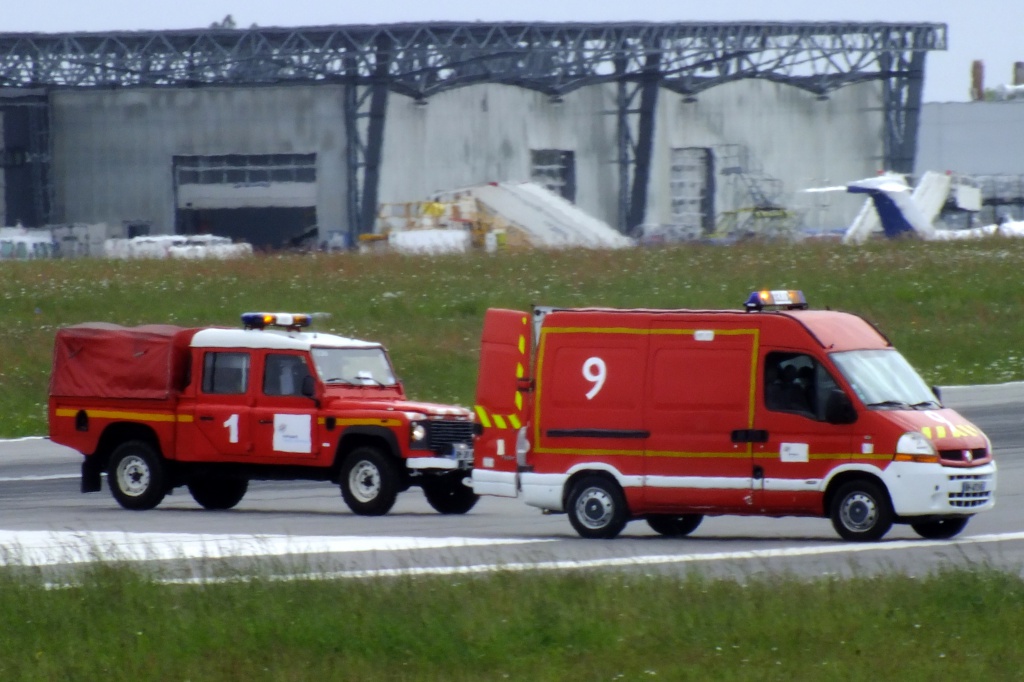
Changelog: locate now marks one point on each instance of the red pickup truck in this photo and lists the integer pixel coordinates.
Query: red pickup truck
(159, 406)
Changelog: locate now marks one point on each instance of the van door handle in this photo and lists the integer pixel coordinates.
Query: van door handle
(749, 436)
(205, 418)
(266, 421)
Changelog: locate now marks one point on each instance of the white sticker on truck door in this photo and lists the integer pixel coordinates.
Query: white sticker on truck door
(793, 452)
(293, 433)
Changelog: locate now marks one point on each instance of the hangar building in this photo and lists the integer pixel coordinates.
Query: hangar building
(275, 134)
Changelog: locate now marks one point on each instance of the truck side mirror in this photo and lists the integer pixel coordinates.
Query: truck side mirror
(309, 386)
(839, 409)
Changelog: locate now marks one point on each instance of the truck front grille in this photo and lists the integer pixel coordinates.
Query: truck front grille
(447, 433)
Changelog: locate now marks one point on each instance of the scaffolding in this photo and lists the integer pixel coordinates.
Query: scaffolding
(422, 60)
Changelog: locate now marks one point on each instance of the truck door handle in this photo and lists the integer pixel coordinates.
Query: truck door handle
(749, 436)
(266, 421)
(205, 418)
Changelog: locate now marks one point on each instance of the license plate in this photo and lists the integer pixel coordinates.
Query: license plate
(974, 487)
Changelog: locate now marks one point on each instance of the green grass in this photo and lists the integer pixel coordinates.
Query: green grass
(956, 310)
(120, 625)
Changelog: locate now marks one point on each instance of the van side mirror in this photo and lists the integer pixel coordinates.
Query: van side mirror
(839, 408)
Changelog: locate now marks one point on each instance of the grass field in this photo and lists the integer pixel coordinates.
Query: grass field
(120, 625)
(956, 310)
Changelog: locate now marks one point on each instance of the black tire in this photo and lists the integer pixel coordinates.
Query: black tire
(448, 494)
(675, 526)
(136, 476)
(941, 529)
(218, 493)
(597, 507)
(369, 482)
(861, 511)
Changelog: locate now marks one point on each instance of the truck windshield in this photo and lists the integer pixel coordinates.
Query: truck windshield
(355, 366)
(883, 379)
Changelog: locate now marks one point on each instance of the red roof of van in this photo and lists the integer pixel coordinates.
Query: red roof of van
(840, 331)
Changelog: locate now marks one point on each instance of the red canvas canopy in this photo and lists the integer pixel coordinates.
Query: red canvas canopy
(100, 360)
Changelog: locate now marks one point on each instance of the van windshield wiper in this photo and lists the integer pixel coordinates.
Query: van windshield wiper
(898, 404)
(924, 404)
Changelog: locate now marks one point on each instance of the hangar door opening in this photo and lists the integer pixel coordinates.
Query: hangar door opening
(268, 200)
(692, 187)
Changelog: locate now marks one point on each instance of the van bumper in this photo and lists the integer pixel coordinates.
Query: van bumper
(918, 489)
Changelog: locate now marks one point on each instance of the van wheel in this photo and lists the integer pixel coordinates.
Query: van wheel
(861, 511)
(448, 494)
(674, 526)
(136, 476)
(941, 529)
(369, 482)
(218, 493)
(597, 508)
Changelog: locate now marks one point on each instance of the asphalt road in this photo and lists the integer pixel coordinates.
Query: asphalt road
(305, 527)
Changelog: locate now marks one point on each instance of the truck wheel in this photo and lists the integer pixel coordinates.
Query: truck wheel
(218, 493)
(369, 482)
(448, 494)
(674, 526)
(941, 529)
(136, 476)
(861, 511)
(597, 508)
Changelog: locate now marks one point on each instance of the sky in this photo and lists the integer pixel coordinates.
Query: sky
(989, 30)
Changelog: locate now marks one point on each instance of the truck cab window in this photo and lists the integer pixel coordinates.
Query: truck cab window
(794, 382)
(284, 374)
(225, 373)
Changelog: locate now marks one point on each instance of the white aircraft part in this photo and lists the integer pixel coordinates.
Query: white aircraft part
(967, 198)
(547, 219)
(930, 195)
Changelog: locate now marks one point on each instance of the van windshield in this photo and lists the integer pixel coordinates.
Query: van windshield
(355, 366)
(883, 379)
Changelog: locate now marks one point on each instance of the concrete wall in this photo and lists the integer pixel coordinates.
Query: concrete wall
(484, 133)
(786, 133)
(972, 138)
(113, 149)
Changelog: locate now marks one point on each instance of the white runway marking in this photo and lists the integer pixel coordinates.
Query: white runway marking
(41, 548)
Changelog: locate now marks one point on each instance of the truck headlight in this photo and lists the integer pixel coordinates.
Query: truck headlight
(417, 432)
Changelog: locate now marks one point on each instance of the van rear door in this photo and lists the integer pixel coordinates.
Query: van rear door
(501, 406)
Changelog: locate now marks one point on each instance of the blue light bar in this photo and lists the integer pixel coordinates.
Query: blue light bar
(785, 299)
(285, 320)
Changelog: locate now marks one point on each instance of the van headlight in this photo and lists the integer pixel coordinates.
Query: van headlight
(913, 446)
(417, 432)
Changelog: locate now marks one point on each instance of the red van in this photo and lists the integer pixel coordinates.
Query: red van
(671, 415)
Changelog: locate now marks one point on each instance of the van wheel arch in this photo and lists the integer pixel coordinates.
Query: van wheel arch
(596, 504)
(860, 508)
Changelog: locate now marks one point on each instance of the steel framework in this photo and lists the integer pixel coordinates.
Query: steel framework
(420, 60)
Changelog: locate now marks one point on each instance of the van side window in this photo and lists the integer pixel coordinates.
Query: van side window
(225, 373)
(794, 382)
(284, 374)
